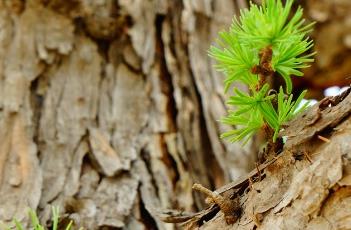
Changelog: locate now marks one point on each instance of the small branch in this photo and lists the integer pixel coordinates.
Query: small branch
(228, 206)
(264, 71)
(323, 139)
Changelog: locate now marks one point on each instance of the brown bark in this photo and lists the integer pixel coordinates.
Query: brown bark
(307, 186)
(108, 109)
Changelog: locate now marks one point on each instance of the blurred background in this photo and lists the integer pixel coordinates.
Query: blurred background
(109, 109)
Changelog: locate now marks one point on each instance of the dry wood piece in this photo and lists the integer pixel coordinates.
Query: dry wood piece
(229, 207)
(323, 138)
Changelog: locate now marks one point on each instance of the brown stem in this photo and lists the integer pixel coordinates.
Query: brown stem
(264, 69)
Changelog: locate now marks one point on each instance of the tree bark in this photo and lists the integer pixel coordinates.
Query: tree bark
(307, 186)
(108, 109)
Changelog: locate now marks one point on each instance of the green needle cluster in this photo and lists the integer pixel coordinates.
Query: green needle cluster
(266, 41)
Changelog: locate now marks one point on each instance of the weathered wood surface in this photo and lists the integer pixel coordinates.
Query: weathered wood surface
(108, 109)
(307, 186)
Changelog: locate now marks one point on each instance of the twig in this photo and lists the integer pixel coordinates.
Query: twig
(323, 139)
(228, 207)
(176, 217)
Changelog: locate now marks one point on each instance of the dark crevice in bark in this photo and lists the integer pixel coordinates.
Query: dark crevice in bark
(166, 78)
(98, 102)
(145, 156)
(36, 101)
(147, 219)
(170, 162)
(103, 48)
(214, 171)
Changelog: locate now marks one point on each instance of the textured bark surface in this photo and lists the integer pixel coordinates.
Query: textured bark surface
(298, 195)
(108, 108)
(307, 186)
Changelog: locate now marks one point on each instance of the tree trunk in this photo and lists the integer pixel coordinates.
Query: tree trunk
(108, 109)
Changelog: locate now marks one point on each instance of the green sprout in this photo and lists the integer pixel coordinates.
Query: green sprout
(35, 221)
(264, 42)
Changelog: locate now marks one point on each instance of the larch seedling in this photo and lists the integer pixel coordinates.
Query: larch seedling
(266, 41)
